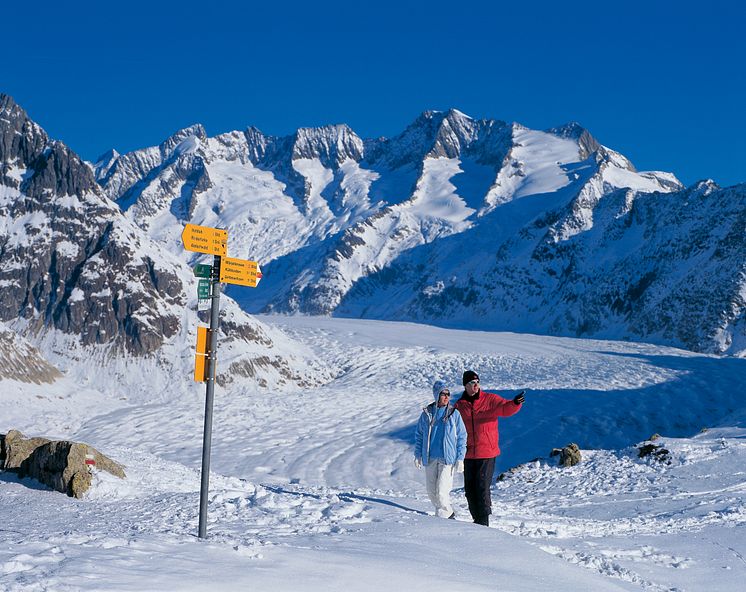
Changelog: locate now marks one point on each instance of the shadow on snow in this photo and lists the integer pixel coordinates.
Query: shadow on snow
(702, 392)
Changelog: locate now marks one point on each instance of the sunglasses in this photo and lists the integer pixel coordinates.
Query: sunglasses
(445, 393)
(473, 382)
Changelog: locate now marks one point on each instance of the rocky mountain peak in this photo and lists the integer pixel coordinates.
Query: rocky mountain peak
(21, 142)
(456, 132)
(434, 134)
(9, 109)
(574, 131)
(257, 144)
(29, 161)
(57, 170)
(104, 163)
(177, 139)
(123, 175)
(331, 144)
(107, 157)
(704, 187)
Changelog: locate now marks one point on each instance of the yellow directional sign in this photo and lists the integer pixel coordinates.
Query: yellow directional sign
(203, 239)
(200, 368)
(240, 271)
(203, 340)
(200, 357)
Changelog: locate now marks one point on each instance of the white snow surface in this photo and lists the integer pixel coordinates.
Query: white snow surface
(316, 490)
(540, 156)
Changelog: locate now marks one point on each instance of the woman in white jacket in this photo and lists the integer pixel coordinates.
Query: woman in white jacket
(440, 445)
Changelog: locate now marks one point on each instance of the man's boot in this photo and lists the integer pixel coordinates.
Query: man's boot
(484, 520)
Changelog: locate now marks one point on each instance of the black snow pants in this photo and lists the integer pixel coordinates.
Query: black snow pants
(477, 481)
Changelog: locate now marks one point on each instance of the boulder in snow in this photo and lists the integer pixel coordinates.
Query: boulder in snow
(654, 451)
(569, 456)
(59, 464)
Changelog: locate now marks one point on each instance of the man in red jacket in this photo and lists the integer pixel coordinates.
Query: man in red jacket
(480, 411)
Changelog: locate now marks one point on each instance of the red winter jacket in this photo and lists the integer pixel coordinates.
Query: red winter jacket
(480, 415)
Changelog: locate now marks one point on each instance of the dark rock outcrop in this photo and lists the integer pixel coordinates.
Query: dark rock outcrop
(655, 451)
(569, 456)
(59, 464)
(71, 260)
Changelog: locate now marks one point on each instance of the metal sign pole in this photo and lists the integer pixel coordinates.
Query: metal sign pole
(210, 396)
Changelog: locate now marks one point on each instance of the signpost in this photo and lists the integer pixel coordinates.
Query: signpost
(200, 356)
(212, 241)
(202, 271)
(240, 271)
(202, 239)
(203, 289)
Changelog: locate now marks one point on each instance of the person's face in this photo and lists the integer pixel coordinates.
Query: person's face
(443, 398)
(472, 387)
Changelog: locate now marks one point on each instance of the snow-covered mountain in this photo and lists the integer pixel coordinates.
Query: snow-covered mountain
(651, 266)
(455, 221)
(93, 291)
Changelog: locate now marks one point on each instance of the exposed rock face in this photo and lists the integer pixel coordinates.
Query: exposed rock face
(60, 465)
(122, 172)
(70, 259)
(22, 361)
(586, 142)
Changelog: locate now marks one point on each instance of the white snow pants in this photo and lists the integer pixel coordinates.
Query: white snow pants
(439, 481)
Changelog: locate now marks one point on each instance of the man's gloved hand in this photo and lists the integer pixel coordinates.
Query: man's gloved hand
(418, 462)
(459, 466)
(519, 398)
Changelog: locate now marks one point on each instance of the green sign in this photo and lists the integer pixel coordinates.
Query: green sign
(203, 289)
(202, 271)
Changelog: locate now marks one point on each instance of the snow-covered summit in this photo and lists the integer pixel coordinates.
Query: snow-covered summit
(332, 145)
(573, 130)
(434, 134)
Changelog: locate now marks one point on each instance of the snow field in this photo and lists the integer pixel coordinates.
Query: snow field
(318, 486)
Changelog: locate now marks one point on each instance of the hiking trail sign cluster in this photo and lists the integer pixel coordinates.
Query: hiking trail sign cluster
(224, 269)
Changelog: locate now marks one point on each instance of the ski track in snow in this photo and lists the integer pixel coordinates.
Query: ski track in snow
(289, 467)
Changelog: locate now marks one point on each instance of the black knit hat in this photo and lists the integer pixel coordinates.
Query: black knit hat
(469, 375)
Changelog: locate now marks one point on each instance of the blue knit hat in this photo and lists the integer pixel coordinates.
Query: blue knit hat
(439, 385)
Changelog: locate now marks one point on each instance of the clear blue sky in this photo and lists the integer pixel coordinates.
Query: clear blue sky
(662, 82)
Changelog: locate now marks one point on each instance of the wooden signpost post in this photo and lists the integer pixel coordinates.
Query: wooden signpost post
(212, 241)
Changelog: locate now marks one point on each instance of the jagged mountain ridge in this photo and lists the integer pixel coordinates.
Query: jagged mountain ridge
(374, 227)
(85, 285)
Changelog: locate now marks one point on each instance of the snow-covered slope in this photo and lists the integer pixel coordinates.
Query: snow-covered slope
(319, 487)
(94, 293)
